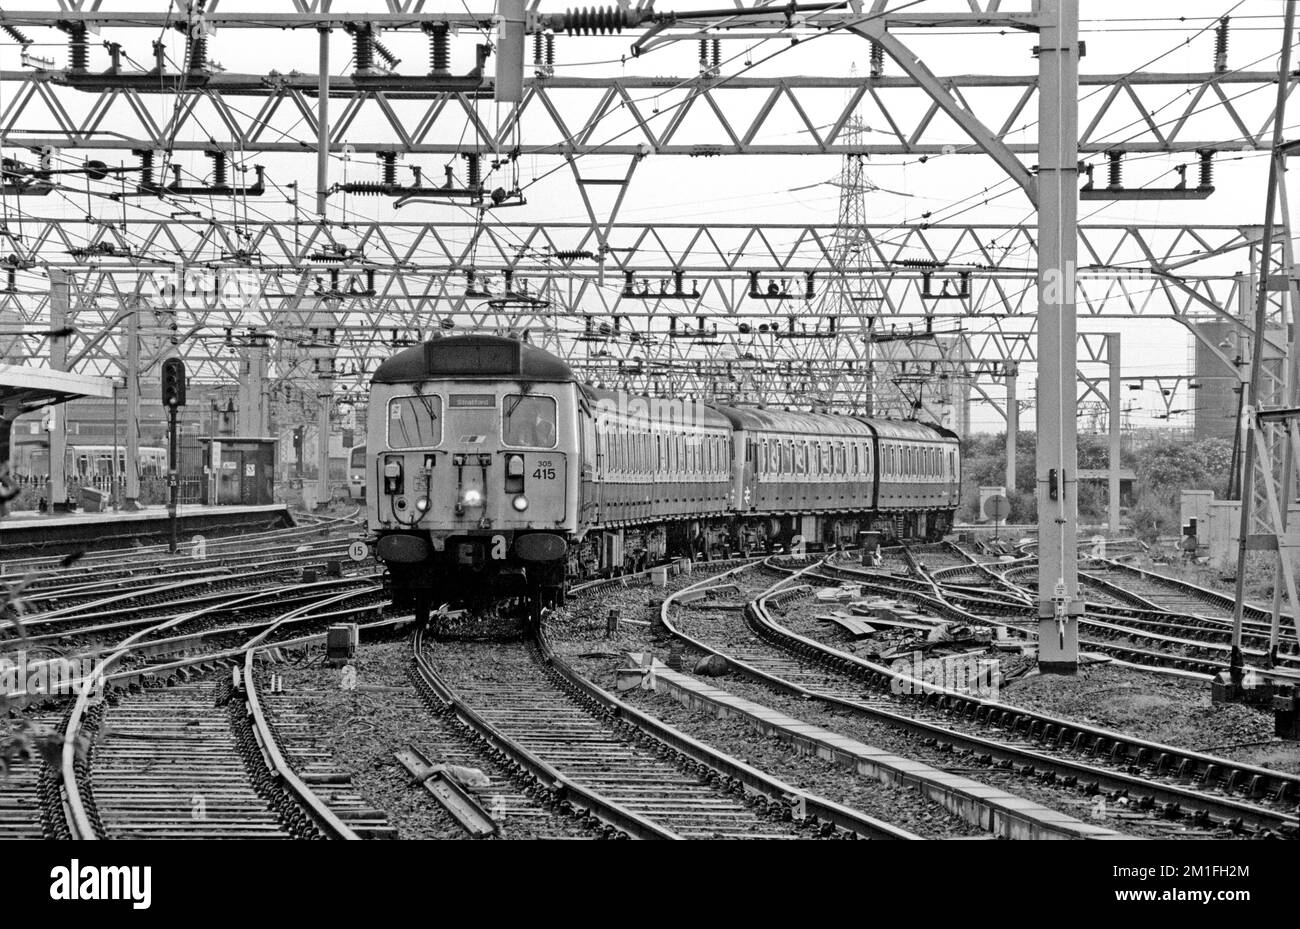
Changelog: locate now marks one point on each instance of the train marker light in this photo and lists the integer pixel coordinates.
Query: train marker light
(422, 504)
(393, 483)
(473, 498)
(520, 503)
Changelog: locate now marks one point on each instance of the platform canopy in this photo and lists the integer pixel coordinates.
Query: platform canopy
(24, 388)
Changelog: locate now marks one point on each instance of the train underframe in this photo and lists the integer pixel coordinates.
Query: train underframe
(466, 571)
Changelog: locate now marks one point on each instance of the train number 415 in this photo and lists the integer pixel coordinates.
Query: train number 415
(544, 474)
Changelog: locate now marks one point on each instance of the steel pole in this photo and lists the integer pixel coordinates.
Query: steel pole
(1276, 164)
(323, 125)
(173, 474)
(1059, 606)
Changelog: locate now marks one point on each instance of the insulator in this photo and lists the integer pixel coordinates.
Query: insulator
(363, 44)
(218, 168)
(877, 59)
(538, 59)
(366, 188)
(78, 50)
(715, 58)
(439, 49)
(595, 21)
(382, 50)
(1221, 46)
(388, 168)
(704, 56)
(1115, 176)
(1207, 168)
(198, 53)
(550, 51)
(473, 179)
(146, 167)
(16, 34)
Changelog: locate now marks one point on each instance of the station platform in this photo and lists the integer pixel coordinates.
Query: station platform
(24, 534)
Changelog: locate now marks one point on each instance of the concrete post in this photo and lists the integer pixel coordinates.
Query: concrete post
(60, 304)
(1112, 459)
(326, 397)
(1013, 428)
(132, 419)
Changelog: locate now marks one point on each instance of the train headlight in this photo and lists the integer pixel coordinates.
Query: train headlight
(422, 504)
(472, 498)
(520, 503)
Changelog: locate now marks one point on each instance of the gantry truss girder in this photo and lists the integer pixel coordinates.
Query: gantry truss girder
(602, 332)
(699, 116)
(420, 272)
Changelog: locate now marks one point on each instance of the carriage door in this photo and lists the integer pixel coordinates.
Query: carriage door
(592, 480)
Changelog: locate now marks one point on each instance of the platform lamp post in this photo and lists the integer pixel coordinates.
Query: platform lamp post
(173, 398)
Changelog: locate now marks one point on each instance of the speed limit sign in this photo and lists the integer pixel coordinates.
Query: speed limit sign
(358, 550)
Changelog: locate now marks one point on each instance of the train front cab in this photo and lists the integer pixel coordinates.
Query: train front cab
(473, 484)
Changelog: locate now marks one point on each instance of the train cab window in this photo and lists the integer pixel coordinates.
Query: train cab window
(528, 421)
(414, 422)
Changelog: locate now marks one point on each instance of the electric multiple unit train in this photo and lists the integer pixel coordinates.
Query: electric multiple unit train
(491, 470)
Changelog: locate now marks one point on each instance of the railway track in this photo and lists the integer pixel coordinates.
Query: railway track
(1155, 640)
(21, 811)
(1199, 642)
(99, 565)
(623, 768)
(185, 750)
(1175, 781)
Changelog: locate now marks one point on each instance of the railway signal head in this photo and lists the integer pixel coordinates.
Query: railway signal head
(173, 382)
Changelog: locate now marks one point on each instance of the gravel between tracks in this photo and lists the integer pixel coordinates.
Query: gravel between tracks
(896, 805)
(383, 714)
(578, 634)
(1160, 707)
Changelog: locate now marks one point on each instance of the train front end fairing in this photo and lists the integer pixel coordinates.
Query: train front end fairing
(473, 481)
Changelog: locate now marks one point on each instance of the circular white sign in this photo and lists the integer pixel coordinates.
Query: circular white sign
(358, 550)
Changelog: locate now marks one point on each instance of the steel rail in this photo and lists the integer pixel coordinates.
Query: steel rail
(604, 809)
(1122, 749)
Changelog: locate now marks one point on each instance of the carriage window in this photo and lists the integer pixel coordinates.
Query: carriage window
(414, 422)
(528, 421)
